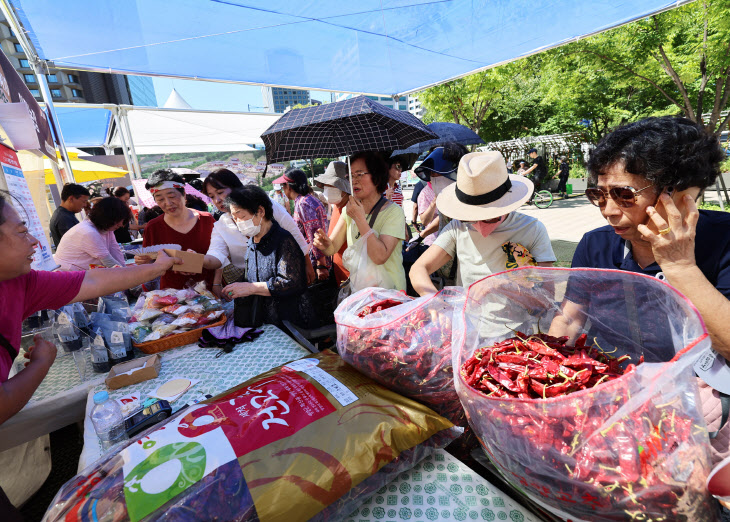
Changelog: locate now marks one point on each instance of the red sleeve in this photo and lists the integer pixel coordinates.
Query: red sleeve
(51, 290)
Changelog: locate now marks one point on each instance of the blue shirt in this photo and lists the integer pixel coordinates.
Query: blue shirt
(603, 248)
(636, 317)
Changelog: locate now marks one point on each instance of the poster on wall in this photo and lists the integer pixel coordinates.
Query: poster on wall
(23, 203)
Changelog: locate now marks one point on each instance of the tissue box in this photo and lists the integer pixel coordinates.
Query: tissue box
(150, 369)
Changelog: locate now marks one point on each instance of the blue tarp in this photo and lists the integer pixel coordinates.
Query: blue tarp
(83, 127)
(369, 46)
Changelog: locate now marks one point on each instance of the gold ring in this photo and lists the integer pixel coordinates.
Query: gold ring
(665, 231)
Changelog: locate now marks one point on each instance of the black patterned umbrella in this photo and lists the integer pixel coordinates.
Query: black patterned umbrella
(344, 127)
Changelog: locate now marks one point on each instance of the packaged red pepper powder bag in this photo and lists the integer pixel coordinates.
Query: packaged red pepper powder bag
(579, 385)
(310, 440)
(403, 343)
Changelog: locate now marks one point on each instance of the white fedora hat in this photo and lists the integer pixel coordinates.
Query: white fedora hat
(483, 189)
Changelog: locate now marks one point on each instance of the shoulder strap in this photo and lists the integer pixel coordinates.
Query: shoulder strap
(725, 401)
(376, 210)
(8, 347)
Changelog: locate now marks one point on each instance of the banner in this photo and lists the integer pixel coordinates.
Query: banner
(23, 203)
(13, 90)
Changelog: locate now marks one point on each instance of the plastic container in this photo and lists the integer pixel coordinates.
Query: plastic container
(108, 420)
(99, 356)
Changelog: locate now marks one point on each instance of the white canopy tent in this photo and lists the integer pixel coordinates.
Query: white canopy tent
(159, 130)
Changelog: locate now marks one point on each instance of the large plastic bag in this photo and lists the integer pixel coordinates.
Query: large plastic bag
(309, 440)
(635, 446)
(406, 348)
(364, 272)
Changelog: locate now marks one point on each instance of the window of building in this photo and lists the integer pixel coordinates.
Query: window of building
(56, 93)
(35, 92)
(72, 78)
(402, 107)
(25, 63)
(76, 93)
(18, 48)
(52, 78)
(29, 78)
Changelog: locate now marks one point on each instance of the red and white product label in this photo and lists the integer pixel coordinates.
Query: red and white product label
(262, 413)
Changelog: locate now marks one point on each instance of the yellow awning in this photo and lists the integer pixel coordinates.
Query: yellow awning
(84, 170)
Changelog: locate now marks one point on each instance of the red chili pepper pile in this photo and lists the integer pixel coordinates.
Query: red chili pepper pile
(540, 366)
(378, 307)
(647, 464)
(411, 356)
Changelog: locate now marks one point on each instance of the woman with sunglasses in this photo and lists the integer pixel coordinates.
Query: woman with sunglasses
(648, 177)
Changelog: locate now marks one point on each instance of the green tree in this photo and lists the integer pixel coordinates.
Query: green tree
(682, 55)
(467, 101)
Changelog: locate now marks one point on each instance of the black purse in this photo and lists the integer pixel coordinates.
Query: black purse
(248, 312)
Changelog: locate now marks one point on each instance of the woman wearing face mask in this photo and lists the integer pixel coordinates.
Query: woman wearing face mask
(228, 247)
(275, 267)
(369, 181)
(486, 235)
(337, 191)
(179, 225)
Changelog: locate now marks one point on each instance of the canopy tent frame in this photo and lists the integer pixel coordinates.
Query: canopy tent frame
(113, 70)
(40, 68)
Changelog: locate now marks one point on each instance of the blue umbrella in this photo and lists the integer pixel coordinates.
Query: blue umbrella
(445, 132)
(344, 127)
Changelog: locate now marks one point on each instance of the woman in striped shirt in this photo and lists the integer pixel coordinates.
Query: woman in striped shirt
(394, 192)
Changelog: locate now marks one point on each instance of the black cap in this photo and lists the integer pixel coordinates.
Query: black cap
(533, 149)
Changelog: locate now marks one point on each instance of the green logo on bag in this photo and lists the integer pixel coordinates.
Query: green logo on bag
(163, 475)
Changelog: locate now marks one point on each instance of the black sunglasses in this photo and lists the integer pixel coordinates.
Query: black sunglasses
(624, 197)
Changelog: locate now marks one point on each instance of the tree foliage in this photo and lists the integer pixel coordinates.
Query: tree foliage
(676, 62)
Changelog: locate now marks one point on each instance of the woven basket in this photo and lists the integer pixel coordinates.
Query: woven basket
(174, 341)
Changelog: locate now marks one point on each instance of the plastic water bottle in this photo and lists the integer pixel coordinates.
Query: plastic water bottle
(108, 420)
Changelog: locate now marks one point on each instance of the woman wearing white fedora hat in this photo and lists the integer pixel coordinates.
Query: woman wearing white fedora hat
(486, 235)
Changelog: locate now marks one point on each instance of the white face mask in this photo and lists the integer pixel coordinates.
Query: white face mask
(247, 228)
(333, 195)
(439, 183)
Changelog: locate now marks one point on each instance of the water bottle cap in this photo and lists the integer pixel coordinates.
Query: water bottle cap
(100, 397)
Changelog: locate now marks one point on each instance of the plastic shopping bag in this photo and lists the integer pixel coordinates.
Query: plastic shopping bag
(634, 446)
(406, 348)
(364, 272)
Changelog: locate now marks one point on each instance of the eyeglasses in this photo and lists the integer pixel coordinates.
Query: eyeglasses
(358, 175)
(624, 197)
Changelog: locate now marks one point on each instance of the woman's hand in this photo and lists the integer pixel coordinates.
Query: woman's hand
(163, 261)
(673, 244)
(322, 242)
(219, 293)
(143, 259)
(389, 193)
(355, 210)
(42, 352)
(323, 274)
(235, 290)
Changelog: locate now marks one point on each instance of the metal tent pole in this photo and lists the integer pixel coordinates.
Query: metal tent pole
(40, 68)
(123, 140)
(133, 153)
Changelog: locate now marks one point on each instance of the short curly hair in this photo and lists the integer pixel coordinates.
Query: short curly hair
(668, 151)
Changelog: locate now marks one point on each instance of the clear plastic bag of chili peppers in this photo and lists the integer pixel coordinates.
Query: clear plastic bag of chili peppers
(403, 343)
(579, 385)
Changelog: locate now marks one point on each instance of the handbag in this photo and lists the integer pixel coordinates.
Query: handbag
(355, 259)
(248, 311)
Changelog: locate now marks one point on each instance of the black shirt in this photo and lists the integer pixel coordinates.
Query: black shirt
(540, 171)
(277, 260)
(417, 190)
(62, 221)
(564, 169)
